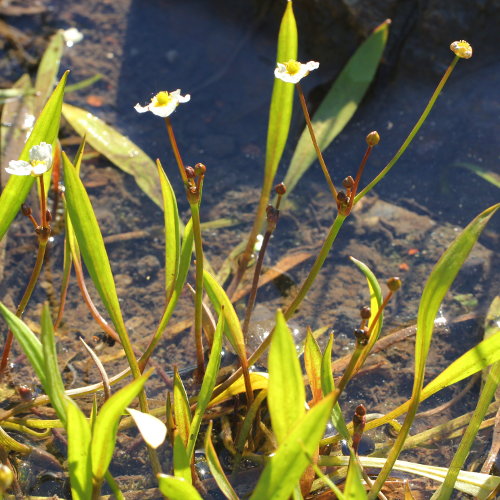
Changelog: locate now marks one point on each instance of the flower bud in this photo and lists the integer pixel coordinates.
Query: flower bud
(461, 49)
(190, 172)
(6, 478)
(348, 182)
(365, 312)
(361, 335)
(48, 215)
(342, 197)
(26, 210)
(280, 189)
(372, 138)
(200, 169)
(394, 284)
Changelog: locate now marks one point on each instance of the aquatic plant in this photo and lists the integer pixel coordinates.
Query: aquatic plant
(282, 412)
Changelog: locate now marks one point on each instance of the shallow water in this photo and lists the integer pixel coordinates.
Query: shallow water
(223, 55)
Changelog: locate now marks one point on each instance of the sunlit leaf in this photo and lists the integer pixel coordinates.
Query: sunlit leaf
(216, 467)
(172, 237)
(286, 393)
(152, 429)
(219, 298)
(117, 148)
(177, 488)
(54, 386)
(280, 112)
(328, 386)
(284, 469)
(339, 104)
(182, 411)
(91, 244)
(29, 342)
(106, 425)
(182, 464)
(48, 69)
(45, 129)
(354, 488)
(79, 465)
(312, 363)
(259, 380)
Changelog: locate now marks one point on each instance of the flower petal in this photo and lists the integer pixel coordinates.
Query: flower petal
(18, 167)
(141, 109)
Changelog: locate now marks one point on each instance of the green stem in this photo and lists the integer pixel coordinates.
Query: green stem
(315, 143)
(412, 134)
(198, 299)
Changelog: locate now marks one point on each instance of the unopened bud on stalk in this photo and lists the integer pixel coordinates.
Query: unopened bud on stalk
(280, 189)
(342, 197)
(6, 478)
(365, 312)
(372, 138)
(348, 182)
(200, 169)
(394, 284)
(361, 335)
(190, 172)
(48, 215)
(26, 210)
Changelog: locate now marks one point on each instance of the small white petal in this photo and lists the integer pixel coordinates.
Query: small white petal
(18, 167)
(39, 169)
(141, 109)
(42, 153)
(152, 429)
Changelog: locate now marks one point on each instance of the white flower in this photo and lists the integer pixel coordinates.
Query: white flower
(72, 36)
(40, 162)
(164, 103)
(293, 71)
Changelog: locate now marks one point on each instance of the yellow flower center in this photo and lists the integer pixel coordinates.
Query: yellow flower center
(461, 49)
(162, 99)
(292, 67)
(35, 163)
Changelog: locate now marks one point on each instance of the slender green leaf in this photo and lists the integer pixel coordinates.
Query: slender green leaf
(172, 237)
(375, 299)
(84, 83)
(91, 244)
(280, 112)
(440, 280)
(106, 425)
(328, 385)
(117, 148)
(488, 175)
(339, 104)
(247, 423)
(286, 466)
(487, 393)
(46, 76)
(45, 129)
(177, 488)
(216, 468)
(79, 465)
(29, 342)
(54, 386)
(152, 429)
(182, 464)
(354, 488)
(438, 283)
(182, 411)
(312, 363)
(219, 299)
(286, 394)
(258, 380)
(207, 386)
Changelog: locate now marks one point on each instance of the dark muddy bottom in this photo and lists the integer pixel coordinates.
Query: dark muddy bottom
(224, 57)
